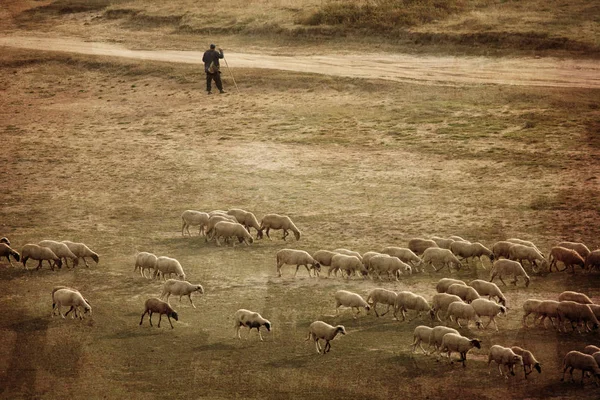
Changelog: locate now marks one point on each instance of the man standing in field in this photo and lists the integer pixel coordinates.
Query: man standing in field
(211, 67)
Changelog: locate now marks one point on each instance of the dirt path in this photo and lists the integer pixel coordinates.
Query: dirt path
(395, 67)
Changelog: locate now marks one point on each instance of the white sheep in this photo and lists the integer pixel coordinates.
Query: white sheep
(322, 330)
(576, 313)
(349, 264)
(436, 336)
(529, 360)
(530, 306)
(489, 289)
(488, 308)
(584, 362)
(247, 219)
(580, 248)
(569, 295)
(155, 305)
(145, 261)
(421, 334)
(7, 251)
(350, 299)
(251, 320)
(441, 302)
(444, 283)
(473, 251)
(39, 253)
(569, 257)
(193, 218)
(505, 267)
(82, 251)
(443, 257)
(212, 221)
(458, 310)
(61, 250)
(276, 221)
(323, 257)
(391, 266)
(383, 296)
(504, 357)
(180, 288)
(520, 252)
(297, 258)
(592, 261)
(547, 309)
(405, 255)
(409, 301)
(68, 297)
(227, 229)
(453, 342)
(467, 293)
(418, 245)
(167, 266)
(443, 243)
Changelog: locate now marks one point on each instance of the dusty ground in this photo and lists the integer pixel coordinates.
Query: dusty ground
(110, 151)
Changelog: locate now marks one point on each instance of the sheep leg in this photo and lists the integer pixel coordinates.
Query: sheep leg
(259, 334)
(285, 233)
(458, 322)
(150, 318)
(169, 318)
(267, 233)
(191, 302)
(142, 320)
(502, 280)
(318, 347)
(217, 239)
(327, 347)
(71, 309)
(159, 318)
(298, 266)
(357, 312)
(386, 311)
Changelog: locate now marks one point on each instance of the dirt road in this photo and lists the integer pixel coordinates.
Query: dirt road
(395, 67)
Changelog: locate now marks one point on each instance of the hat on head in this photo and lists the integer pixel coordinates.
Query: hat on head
(212, 46)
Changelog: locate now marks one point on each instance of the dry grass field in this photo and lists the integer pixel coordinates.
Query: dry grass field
(111, 151)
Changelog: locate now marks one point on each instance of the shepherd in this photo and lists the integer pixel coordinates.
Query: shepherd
(211, 67)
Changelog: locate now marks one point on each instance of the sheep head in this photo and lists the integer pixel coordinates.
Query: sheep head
(477, 343)
(297, 235)
(259, 234)
(199, 288)
(340, 329)
(267, 325)
(174, 315)
(538, 367)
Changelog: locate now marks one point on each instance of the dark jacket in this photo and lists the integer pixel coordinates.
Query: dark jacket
(210, 56)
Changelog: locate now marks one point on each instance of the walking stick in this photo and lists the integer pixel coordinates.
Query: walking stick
(229, 69)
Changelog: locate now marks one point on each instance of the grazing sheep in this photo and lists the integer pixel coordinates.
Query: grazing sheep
(584, 362)
(436, 336)
(454, 342)
(193, 218)
(409, 301)
(504, 357)
(576, 313)
(383, 296)
(547, 309)
(63, 296)
(227, 229)
(167, 266)
(297, 258)
(458, 310)
(155, 305)
(520, 252)
(580, 248)
(469, 250)
(40, 254)
(405, 255)
(467, 293)
(569, 257)
(61, 250)
(145, 261)
(524, 243)
(435, 255)
(488, 308)
(574, 296)
(349, 299)
(350, 264)
(489, 289)
(441, 301)
(247, 219)
(420, 334)
(75, 309)
(592, 260)
(418, 245)
(323, 257)
(7, 251)
(275, 221)
(180, 288)
(504, 267)
(212, 221)
(529, 360)
(321, 330)
(444, 283)
(442, 242)
(82, 251)
(391, 266)
(250, 319)
(530, 306)
(500, 249)
(591, 349)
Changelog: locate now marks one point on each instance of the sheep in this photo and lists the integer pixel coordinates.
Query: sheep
(592, 260)
(193, 218)
(409, 301)
(275, 221)
(530, 306)
(349, 299)
(247, 219)
(212, 221)
(405, 255)
(418, 245)
(441, 301)
(528, 360)
(574, 296)
(392, 266)
(524, 243)
(250, 319)
(500, 249)
(569, 257)
(435, 255)
(297, 258)
(504, 267)
(82, 251)
(365, 257)
(442, 242)
(580, 248)
(350, 264)
(167, 266)
(7, 251)
(55, 289)
(61, 250)
(504, 357)
(156, 305)
(520, 252)
(489, 289)
(547, 309)
(444, 283)
(180, 288)
(467, 293)
(458, 310)
(321, 330)
(454, 342)
(145, 261)
(468, 250)
(323, 257)
(436, 336)
(383, 296)
(63, 296)
(40, 254)
(420, 334)
(585, 362)
(576, 313)
(591, 349)
(488, 308)
(228, 229)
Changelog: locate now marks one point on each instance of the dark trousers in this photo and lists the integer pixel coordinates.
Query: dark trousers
(216, 77)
